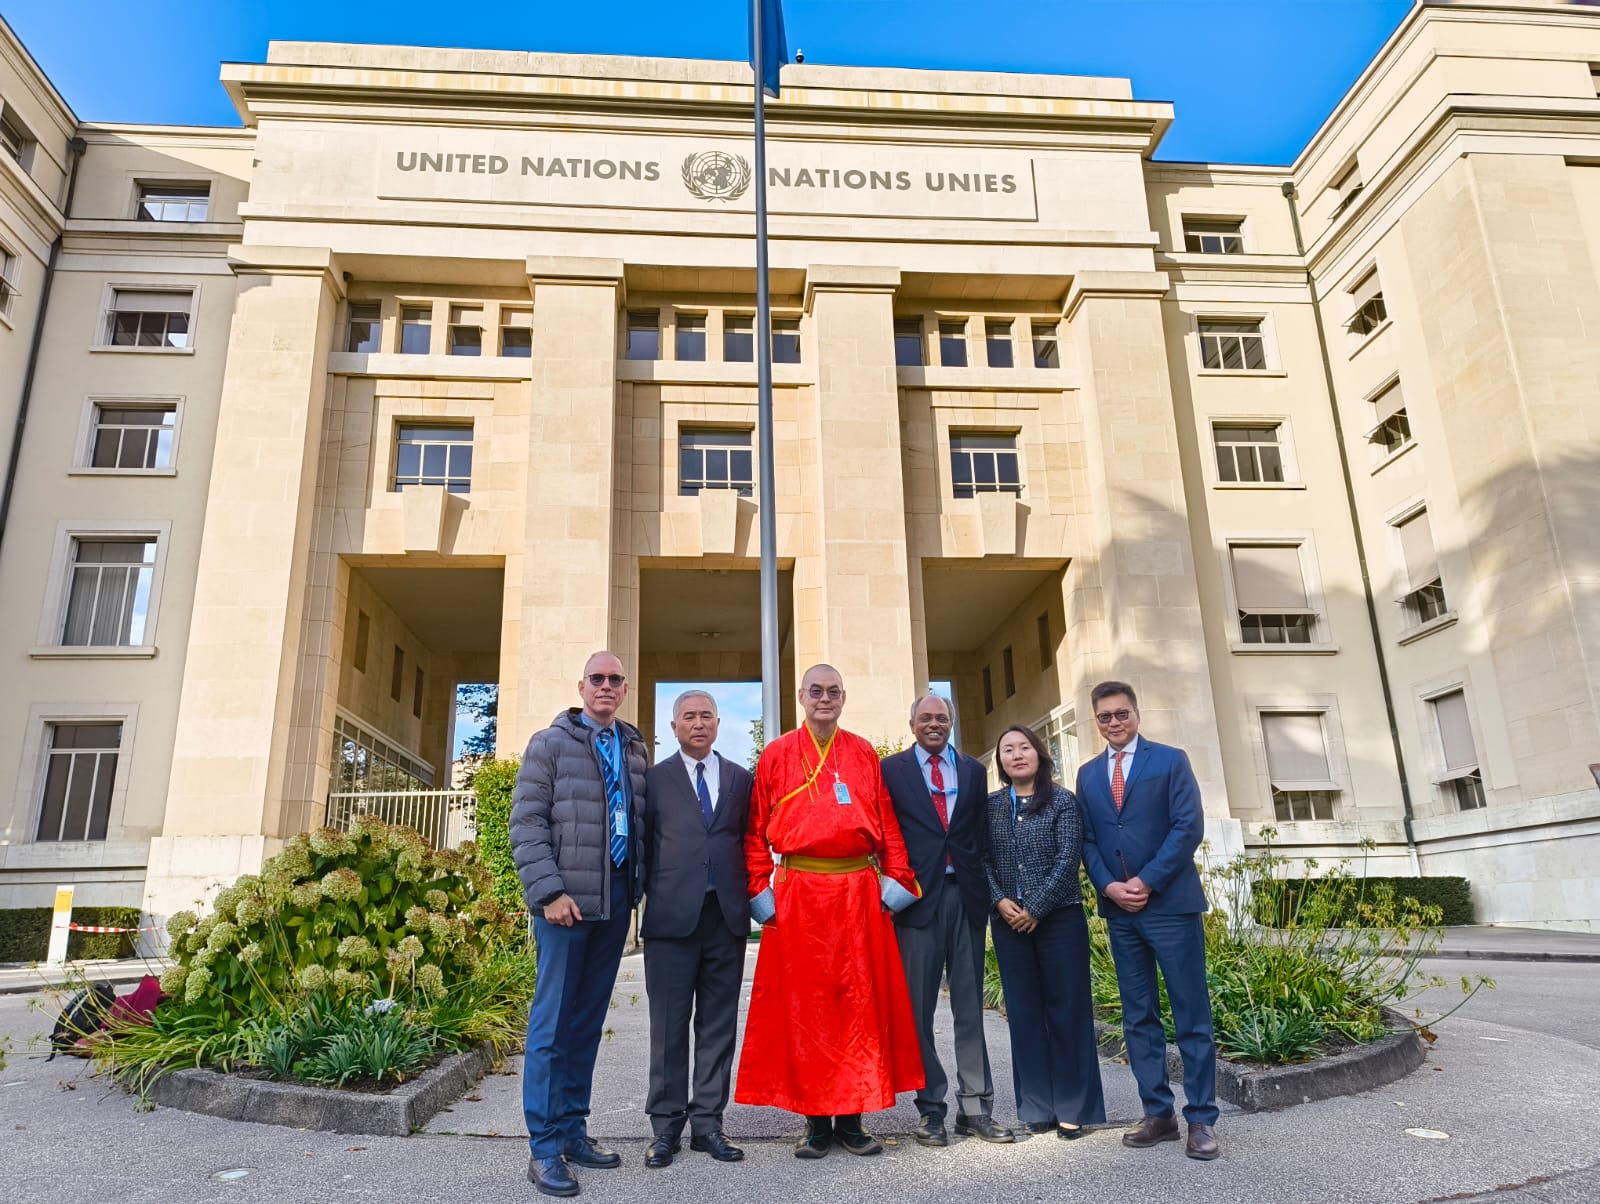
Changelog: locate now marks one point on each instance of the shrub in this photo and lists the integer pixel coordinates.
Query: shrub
(25, 933)
(493, 784)
(1275, 901)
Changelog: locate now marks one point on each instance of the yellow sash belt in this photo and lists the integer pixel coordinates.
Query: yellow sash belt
(825, 865)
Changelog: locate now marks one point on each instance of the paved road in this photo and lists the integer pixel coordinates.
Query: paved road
(1553, 998)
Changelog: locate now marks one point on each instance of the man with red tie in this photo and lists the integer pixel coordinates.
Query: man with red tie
(939, 798)
(1142, 824)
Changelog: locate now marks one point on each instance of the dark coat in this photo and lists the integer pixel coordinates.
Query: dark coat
(1153, 838)
(927, 842)
(560, 830)
(1039, 854)
(680, 849)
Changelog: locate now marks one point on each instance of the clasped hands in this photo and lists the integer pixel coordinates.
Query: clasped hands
(1131, 896)
(1020, 919)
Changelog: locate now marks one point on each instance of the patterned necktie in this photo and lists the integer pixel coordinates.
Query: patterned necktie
(616, 801)
(703, 791)
(939, 804)
(1118, 785)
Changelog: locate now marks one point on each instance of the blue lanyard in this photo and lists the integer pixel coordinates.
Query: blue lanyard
(1012, 791)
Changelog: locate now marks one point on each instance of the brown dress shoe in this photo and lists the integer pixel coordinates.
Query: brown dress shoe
(1150, 1131)
(1202, 1143)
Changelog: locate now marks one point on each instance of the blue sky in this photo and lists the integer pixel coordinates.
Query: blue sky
(1251, 79)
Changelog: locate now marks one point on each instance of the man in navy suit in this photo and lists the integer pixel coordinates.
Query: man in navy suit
(939, 798)
(695, 928)
(1142, 823)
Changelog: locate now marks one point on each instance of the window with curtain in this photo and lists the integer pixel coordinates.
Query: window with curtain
(80, 771)
(1461, 780)
(1392, 427)
(1269, 586)
(108, 601)
(1297, 766)
(1424, 599)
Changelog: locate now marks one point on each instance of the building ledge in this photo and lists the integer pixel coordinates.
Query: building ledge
(1239, 648)
(1448, 619)
(92, 653)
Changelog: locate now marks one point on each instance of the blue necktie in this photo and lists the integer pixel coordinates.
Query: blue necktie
(616, 801)
(703, 791)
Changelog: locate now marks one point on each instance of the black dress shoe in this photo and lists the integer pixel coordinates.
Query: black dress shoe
(1040, 1126)
(984, 1127)
(930, 1131)
(552, 1177)
(817, 1140)
(849, 1132)
(716, 1144)
(1070, 1134)
(660, 1152)
(586, 1151)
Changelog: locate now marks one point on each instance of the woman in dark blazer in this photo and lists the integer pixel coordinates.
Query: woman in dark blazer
(1035, 841)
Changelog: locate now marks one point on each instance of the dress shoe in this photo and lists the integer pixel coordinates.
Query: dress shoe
(983, 1127)
(716, 1144)
(1151, 1131)
(930, 1131)
(661, 1151)
(856, 1139)
(586, 1151)
(1070, 1134)
(1202, 1143)
(1039, 1126)
(817, 1140)
(552, 1177)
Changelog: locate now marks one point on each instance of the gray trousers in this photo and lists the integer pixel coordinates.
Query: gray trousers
(700, 976)
(951, 943)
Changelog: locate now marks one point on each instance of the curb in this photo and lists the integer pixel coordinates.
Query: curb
(38, 983)
(1267, 1088)
(1512, 955)
(398, 1114)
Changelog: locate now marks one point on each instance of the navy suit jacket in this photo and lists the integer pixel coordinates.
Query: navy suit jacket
(1155, 836)
(680, 850)
(927, 842)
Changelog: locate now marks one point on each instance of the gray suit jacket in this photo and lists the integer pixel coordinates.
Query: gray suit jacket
(680, 849)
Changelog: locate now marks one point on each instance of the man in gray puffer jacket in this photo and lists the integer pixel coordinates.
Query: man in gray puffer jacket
(577, 834)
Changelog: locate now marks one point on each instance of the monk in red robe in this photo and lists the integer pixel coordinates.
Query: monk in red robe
(830, 1033)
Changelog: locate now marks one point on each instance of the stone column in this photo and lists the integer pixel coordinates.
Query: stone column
(859, 568)
(1133, 606)
(236, 760)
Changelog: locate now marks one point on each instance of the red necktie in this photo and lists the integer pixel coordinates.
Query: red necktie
(939, 806)
(1118, 785)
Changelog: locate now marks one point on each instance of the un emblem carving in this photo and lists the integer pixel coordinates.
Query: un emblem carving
(716, 175)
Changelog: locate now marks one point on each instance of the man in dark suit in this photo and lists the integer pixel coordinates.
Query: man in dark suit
(939, 798)
(695, 928)
(1142, 824)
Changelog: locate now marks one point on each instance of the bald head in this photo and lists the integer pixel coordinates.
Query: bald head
(602, 687)
(822, 699)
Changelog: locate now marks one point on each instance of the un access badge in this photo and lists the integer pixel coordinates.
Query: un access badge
(841, 794)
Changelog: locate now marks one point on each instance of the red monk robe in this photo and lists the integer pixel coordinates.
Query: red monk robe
(830, 1031)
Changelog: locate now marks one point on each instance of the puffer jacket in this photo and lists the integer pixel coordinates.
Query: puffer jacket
(560, 834)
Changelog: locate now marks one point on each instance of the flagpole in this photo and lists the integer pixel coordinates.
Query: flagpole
(770, 699)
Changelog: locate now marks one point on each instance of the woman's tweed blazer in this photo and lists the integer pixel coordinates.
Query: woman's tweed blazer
(1040, 856)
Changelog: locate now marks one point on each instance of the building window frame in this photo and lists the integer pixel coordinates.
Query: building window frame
(1307, 798)
(414, 328)
(1457, 772)
(690, 336)
(360, 750)
(33, 772)
(370, 318)
(999, 343)
(1274, 617)
(90, 428)
(1212, 234)
(516, 332)
(1369, 312)
(174, 202)
(641, 339)
(1221, 337)
(110, 328)
(951, 335)
(17, 140)
(10, 269)
(738, 337)
(1282, 446)
(58, 589)
(1047, 640)
(1424, 604)
(463, 336)
(1045, 341)
(711, 458)
(787, 333)
(979, 461)
(432, 467)
(1391, 434)
(910, 341)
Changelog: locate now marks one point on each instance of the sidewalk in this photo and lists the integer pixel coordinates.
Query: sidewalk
(26, 979)
(1493, 942)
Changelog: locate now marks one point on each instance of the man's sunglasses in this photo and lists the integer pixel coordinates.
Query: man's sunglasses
(614, 680)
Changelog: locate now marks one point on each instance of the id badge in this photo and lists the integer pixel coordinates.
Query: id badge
(841, 794)
(619, 823)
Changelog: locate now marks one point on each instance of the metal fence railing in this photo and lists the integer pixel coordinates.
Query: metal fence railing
(445, 818)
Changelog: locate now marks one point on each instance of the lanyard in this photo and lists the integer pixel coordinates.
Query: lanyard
(822, 753)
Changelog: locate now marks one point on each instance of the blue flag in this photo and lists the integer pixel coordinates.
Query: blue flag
(774, 49)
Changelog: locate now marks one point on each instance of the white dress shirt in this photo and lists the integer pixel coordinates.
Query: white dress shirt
(713, 774)
(1127, 760)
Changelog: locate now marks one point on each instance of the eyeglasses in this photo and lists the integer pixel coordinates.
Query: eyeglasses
(1105, 717)
(614, 680)
(832, 693)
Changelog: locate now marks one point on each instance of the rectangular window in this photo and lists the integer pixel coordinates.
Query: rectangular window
(1346, 185)
(466, 330)
(81, 769)
(1213, 236)
(988, 691)
(1248, 453)
(689, 341)
(1368, 310)
(133, 437)
(398, 678)
(908, 343)
(1233, 344)
(363, 638)
(416, 329)
(985, 464)
(108, 601)
(1462, 780)
(785, 340)
(715, 460)
(1047, 645)
(1271, 593)
(15, 140)
(1046, 345)
(162, 202)
(434, 455)
(738, 338)
(1297, 765)
(8, 279)
(1424, 598)
(416, 694)
(997, 344)
(516, 333)
(148, 319)
(1008, 670)
(953, 344)
(364, 761)
(1392, 431)
(364, 327)
(644, 335)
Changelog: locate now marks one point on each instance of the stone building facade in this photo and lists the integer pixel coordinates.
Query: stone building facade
(440, 369)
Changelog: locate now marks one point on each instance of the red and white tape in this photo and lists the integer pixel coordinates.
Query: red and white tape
(95, 928)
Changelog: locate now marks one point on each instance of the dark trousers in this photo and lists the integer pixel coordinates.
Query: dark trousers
(950, 941)
(1055, 1063)
(577, 970)
(1177, 944)
(699, 975)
